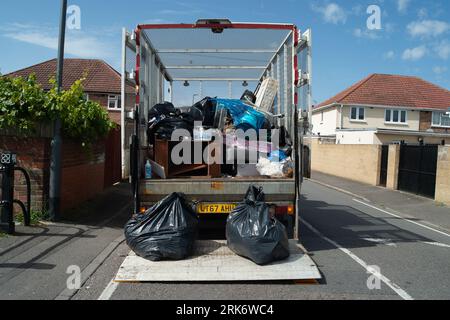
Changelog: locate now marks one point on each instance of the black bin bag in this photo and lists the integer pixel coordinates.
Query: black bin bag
(167, 231)
(252, 232)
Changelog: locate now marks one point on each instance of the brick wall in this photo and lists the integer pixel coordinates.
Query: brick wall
(102, 99)
(83, 173)
(354, 162)
(443, 175)
(82, 170)
(426, 118)
(34, 156)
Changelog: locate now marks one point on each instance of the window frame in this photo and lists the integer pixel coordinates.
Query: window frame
(116, 100)
(358, 114)
(441, 115)
(391, 117)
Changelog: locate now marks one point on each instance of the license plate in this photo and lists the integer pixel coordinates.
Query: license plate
(216, 208)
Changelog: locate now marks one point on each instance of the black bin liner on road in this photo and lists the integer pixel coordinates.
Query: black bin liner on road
(254, 234)
(167, 231)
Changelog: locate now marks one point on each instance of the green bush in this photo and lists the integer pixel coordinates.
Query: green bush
(24, 105)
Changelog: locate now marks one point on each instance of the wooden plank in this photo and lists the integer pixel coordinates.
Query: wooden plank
(214, 262)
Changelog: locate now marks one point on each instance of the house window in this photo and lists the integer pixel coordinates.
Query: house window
(114, 103)
(396, 116)
(358, 114)
(321, 117)
(441, 119)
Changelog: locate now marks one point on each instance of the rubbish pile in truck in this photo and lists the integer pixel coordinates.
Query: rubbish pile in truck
(245, 132)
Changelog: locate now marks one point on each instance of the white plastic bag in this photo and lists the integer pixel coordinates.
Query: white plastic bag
(272, 169)
(283, 169)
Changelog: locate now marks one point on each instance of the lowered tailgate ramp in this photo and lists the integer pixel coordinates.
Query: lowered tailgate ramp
(214, 262)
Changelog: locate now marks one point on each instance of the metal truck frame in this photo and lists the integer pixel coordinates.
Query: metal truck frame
(143, 70)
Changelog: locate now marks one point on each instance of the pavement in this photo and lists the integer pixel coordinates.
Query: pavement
(408, 205)
(34, 263)
(365, 251)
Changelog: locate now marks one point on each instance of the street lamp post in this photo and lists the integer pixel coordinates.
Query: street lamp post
(55, 162)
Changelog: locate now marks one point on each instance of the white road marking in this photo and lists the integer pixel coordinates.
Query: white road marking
(403, 218)
(386, 242)
(402, 293)
(109, 291)
(437, 244)
(391, 243)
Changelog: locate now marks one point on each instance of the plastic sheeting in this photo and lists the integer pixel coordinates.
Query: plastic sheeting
(254, 234)
(167, 231)
(244, 116)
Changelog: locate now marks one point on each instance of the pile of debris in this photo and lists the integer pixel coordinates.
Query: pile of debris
(243, 154)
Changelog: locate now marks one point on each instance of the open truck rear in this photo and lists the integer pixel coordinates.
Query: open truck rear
(159, 59)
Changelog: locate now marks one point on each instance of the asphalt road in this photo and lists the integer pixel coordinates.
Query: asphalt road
(348, 239)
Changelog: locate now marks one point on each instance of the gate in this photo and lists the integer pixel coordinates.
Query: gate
(417, 171)
(384, 165)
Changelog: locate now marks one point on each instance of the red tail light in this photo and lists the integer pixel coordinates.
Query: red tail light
(282, 210)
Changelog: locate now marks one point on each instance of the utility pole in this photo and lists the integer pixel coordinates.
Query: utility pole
(55, 162)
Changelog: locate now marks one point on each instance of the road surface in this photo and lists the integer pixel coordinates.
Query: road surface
(363, 252)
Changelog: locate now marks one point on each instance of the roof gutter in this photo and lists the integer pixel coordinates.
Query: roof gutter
(325, 107)
(377, 106)
(393, 107)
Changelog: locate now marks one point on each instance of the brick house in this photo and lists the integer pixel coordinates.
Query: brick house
(383, 109)
(84, 174)
(102, 84)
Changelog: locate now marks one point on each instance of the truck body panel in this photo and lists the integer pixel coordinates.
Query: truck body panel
(277, 191)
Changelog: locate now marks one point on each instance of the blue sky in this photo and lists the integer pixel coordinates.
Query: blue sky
(414, 39)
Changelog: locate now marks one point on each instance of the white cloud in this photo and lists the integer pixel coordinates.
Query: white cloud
(428, 28)
(415, 54)
(443, 49)
(440, 70)
(332, 13)
(389, 55)
(402, 5)
(78, 43)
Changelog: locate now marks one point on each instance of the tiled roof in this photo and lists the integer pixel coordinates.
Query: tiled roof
(393, 90)
(100, 76)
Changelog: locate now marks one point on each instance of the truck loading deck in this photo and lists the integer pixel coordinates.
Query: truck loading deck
(214, 262)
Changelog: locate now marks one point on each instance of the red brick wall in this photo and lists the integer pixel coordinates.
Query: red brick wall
(102, 99)
(82, 173)
(426, 123)
(34, 156)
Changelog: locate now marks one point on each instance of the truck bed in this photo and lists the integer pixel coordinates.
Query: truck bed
(277, 191)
